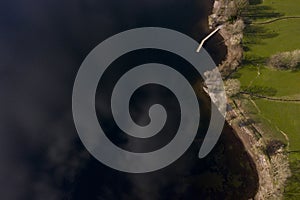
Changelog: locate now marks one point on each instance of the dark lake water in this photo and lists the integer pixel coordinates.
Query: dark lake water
(42, 45)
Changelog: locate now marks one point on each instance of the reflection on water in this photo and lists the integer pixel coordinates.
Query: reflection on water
(42, 46)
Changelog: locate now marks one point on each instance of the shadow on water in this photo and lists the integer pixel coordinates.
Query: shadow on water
(224, 174)
(43, 45)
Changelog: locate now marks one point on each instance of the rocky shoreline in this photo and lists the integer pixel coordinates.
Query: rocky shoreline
(273, 170)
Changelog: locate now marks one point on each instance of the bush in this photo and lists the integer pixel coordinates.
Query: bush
(285, 60)
(232, 87)
(273, 146)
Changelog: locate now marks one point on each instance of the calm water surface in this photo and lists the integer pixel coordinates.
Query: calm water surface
(42, 46)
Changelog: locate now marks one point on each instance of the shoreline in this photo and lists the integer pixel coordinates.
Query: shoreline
(250, 135)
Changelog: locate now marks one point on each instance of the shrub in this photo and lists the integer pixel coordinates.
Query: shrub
(232, 87)
(285, 60)
(273, 146)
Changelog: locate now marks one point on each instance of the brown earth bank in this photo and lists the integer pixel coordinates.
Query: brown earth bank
(273, 170)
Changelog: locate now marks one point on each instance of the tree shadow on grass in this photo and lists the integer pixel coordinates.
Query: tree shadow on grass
(255, 2)
(260, 90)
(255, 34)
(262, 12)
(254, 61)
(293, 182)
(257, 11)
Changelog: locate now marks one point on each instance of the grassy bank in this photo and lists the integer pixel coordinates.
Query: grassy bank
(278, 120)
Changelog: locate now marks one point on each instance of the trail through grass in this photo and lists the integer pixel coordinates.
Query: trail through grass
(277, 119)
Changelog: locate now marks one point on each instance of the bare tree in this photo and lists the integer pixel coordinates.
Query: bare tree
(232, 87)
(236, 8)
(241, 6)
(285, 60)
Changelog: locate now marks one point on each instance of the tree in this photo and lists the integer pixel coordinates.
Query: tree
(241, 5)
(235, 9)
(285, 60)
(232, 87)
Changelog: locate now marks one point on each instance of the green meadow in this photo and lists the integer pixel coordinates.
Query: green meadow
(261, 41)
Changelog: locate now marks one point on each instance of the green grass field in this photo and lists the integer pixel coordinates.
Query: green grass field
(261, 41)
(283, 115)
(285, 82)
